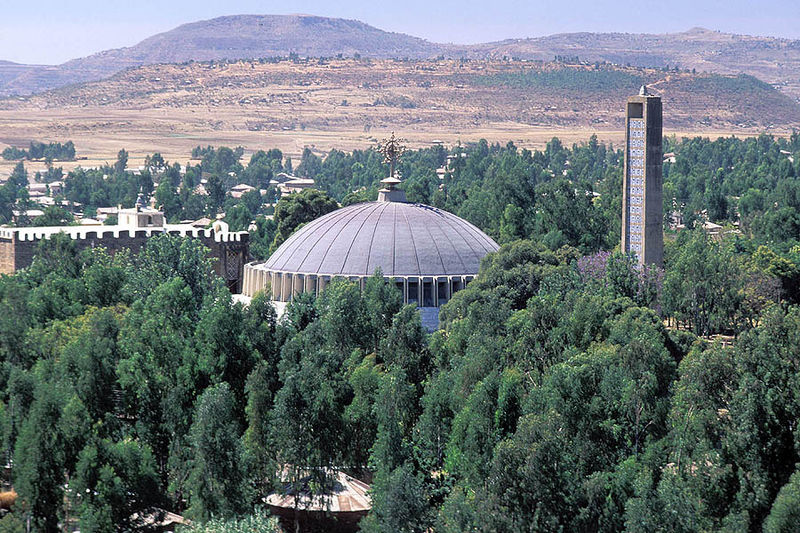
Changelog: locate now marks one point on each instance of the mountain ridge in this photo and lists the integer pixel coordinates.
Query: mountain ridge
(773, 60)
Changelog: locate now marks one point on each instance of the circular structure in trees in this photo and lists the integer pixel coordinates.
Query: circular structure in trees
(429, 253)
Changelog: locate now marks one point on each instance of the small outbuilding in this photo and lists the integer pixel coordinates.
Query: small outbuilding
(336, 508)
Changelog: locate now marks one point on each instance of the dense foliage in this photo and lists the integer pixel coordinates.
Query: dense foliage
(260, 523)
(565, 79)
(567, 389)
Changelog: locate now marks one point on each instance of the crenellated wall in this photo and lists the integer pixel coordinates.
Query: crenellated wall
(230, 250)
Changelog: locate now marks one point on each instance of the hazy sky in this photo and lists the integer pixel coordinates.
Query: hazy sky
(53, 31)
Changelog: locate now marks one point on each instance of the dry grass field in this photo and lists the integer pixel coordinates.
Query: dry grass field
(349, 104)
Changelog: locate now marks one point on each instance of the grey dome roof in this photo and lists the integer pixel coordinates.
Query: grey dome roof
(401, 239)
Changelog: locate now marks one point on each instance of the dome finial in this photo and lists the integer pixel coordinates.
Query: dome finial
(643, 91)
(392, 149)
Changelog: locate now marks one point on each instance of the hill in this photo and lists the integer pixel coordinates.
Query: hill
(231, 37)
(775, 61)
(458, 93)
(10, 71)
(258, 36)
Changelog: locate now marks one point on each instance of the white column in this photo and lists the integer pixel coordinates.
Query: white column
(276, 287)
(286, 287)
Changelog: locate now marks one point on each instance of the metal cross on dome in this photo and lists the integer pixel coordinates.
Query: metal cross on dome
(392, 149)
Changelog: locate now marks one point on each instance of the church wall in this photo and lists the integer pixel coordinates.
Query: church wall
(229, 258)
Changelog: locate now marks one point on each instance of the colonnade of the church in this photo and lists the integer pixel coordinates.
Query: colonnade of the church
(424, 291)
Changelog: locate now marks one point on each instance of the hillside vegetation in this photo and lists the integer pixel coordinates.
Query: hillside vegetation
(437, 94)
(775, 61)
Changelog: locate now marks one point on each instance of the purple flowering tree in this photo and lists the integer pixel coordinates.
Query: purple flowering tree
(620, 275)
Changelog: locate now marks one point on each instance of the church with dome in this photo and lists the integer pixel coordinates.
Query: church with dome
(428, 253)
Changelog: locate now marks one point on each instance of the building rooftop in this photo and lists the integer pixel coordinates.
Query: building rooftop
(401, 239)
(345, 495)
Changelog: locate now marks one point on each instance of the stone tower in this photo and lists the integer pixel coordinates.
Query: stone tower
(642, 208)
